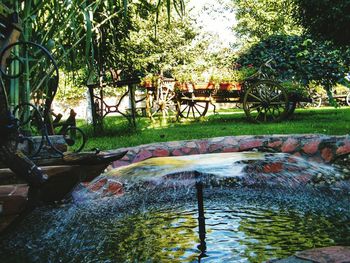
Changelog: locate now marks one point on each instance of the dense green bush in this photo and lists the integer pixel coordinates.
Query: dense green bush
(299, 58)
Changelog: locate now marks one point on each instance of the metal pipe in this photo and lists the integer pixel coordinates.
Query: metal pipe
(201, 220)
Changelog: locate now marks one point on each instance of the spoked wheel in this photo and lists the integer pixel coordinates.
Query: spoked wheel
(189, 108)
(35, 70)
(316, 101)
(75, 138)
(266, 101)
(161, 103)
(30, 127)
(348, 99)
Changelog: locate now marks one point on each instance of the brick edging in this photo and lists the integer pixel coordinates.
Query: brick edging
(314, 147)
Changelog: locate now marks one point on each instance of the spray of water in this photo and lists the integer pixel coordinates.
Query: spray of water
(245, 169)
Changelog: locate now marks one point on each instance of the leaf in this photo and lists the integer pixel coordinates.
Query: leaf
(125, 5)
(168, 4)
(88, 38)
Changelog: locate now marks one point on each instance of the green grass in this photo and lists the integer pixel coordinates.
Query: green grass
(117, 132)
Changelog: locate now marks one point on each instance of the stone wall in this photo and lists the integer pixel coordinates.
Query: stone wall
(317, 148)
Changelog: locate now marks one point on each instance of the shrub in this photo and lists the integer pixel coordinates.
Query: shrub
(300, 59)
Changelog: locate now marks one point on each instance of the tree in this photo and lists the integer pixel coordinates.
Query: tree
(259, 19)
(299, 58)
(87, 35)
(326, 19)
(158, 47)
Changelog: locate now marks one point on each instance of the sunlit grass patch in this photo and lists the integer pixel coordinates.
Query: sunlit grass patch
(118, 133)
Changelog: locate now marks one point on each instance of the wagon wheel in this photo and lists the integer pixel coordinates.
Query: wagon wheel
(348, 99)
(266, 101)
(316, 102)
(189, 108)
(161, 103)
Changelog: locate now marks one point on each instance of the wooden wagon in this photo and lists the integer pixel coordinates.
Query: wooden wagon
(262, 100)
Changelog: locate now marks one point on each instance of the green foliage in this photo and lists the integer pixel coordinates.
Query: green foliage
(215, 75)
(71, 89)
(327, 19)
(258, 19)
(298, 58)
(292, 86)
(150, 80)
(227, 75)
(184, 75)
(161, 51)
(245, 72)
(89, 35)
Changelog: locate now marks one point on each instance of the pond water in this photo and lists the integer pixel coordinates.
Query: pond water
(154, 217)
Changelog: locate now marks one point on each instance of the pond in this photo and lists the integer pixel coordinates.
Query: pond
(256, 207)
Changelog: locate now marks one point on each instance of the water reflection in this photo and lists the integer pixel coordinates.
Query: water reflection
(237, 230)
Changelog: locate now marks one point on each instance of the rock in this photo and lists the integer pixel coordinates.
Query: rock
(290, 145)
(159, 152)
(336, 254)
(292, 259)
(311, 147)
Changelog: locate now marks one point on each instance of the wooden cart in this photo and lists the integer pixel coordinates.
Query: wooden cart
(263, 100)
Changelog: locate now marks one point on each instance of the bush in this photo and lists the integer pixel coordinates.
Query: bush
(299, 58)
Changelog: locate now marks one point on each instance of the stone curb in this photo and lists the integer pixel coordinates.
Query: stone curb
(313, 147)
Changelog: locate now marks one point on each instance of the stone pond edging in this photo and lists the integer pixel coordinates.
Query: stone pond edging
(314, 147)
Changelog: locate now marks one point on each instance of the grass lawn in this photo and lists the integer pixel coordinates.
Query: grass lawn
(117, 132)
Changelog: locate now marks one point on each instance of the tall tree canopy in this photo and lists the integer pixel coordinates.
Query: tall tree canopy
(81, 30)
(154, 49)
(258, 19)
(86, 36)
(327, 19)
